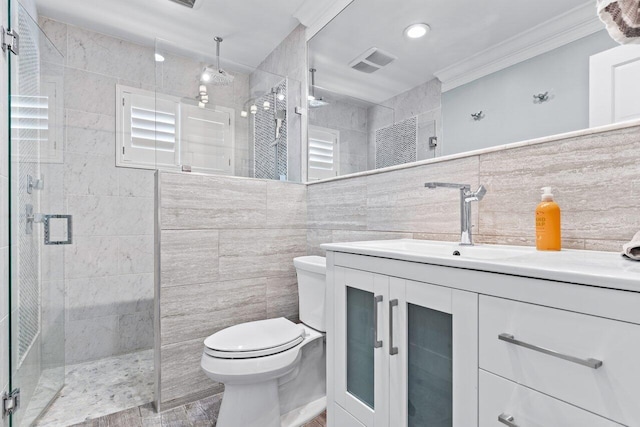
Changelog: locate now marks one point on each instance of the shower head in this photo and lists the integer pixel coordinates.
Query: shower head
(217, 76)
(313, 101)
(317, 103)
(281, 114)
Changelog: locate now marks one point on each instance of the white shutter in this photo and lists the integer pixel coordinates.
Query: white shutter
(29, 124)
(206, 142)
(148, 134)
(323, 153)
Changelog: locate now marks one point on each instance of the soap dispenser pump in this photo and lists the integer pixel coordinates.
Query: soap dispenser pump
(548, 233)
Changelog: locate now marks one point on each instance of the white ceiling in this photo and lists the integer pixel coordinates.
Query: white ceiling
(251, 28)
(459, 29)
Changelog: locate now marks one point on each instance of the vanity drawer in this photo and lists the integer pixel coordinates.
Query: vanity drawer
(503, 398)
(551, 346)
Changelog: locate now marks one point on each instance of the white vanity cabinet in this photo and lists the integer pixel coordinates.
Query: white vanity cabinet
(405, 351)
(413, 342)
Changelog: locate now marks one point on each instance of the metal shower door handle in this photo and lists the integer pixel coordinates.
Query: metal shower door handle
(47, 230)
(45, 219)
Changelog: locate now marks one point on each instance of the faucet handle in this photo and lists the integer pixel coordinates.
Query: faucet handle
(475, 196)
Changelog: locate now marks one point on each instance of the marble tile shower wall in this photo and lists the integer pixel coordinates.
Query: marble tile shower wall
(109, 268)
(423, 102)
(227, 246)
(4, 218)
(289, 59)
(596, 179)
(351, 121)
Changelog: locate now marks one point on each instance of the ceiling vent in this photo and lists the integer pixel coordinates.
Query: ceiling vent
(372, 60)
(188, 3)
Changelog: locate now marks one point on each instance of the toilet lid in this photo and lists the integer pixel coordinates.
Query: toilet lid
(253, 339)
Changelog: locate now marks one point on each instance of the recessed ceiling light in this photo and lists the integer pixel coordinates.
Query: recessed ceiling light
(159, 58)
(415, 31)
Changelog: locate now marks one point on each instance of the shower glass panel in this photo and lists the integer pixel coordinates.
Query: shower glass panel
(39, 227)
(243, 125)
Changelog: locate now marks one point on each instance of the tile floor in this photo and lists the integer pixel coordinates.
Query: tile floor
(202, 413)
(105, 386)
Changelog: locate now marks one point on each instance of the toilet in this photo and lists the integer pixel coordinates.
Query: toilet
(274, 370)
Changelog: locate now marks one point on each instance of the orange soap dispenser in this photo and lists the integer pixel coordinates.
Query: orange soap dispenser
(548, 234)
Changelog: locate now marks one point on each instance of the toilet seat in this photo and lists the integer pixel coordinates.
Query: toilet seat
(254, 339)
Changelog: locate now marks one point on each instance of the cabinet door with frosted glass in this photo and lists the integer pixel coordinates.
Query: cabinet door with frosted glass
(361, 356)
(433, 360)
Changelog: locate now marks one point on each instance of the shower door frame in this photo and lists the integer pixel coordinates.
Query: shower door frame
(41, 201)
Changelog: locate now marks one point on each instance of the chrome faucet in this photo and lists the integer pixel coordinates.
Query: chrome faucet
(466, 197)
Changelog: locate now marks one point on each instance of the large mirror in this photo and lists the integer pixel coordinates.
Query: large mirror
(398, 82)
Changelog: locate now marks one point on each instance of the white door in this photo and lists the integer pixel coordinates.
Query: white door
(361, 346)
(614, 86)
(433, 360)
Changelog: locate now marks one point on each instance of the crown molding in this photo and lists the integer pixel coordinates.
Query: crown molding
(559, 31)
(315, 14)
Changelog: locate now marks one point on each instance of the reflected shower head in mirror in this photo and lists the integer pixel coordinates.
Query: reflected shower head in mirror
(216, 76)
(315, 102)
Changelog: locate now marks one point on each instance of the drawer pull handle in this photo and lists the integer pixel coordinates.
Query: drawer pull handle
(392, 350)
(377, 343)
(507, 420)
(591, 363)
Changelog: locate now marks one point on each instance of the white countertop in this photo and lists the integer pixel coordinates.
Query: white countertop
(602, 269)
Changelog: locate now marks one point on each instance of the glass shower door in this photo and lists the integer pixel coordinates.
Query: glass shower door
(39, 228)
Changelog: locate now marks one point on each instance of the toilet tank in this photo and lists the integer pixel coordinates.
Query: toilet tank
(312, 273)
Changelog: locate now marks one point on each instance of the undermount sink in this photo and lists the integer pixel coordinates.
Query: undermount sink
(447, 249)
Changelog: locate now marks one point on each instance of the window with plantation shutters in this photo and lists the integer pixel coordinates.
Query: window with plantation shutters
(157, 131)
(323, 153)
(149, 131)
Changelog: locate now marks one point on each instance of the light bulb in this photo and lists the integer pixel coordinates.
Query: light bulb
(416, 31)
(243, 113)
(254, 109)
(205, 76)
(266, 105)
(159, 58)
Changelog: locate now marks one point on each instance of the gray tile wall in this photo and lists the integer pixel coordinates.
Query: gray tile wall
(595, 179)
(227, 249)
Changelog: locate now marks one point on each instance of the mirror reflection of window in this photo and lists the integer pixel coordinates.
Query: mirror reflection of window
(323, 151)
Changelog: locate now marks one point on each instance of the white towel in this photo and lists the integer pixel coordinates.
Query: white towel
(622, 18)
(632, 249)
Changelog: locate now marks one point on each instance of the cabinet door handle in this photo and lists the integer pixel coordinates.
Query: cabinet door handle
(507, 420)
(591, 363)
(392, 350)
(376, 343)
